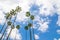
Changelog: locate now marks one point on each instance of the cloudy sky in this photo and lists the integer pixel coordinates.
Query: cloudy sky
(46, 23)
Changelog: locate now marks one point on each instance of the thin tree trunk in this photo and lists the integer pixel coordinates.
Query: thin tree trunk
(3, 33)
(15, 34)
(26, 34)
(30, 35)
(3, 27)
(5, 30)
(33, 34)
(9, 34)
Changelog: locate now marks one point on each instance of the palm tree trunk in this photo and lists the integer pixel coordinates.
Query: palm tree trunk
(26, 34)
(15, 34)
(30, 34)
(3, 33)
(9, 34)
(4, 30)
(33, 33)
(3, 27)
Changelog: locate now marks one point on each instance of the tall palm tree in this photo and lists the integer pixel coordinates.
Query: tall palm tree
(26, 28)
(17, 27)
(32, 18)
(29, 26)
(28, 15)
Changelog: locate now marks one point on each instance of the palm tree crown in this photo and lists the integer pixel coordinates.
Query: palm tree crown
(9, 23)
(18, 26)
(26, 28)
(18, 9)
(27, 14)
(32, 17)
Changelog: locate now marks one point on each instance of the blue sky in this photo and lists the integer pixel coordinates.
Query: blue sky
(46, 24)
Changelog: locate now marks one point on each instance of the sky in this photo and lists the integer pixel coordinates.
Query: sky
(46, 24)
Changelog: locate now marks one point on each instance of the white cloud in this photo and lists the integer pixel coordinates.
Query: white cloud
(8, 5)
(36, 37)
(58, 6)
(59, 39)
(47, 7)
(2, 18)
(42, 24)
(58, 22)
(55, 38)
(0, 35)
(21, 16)
(14, 34)
(58, 31)
(43, 27)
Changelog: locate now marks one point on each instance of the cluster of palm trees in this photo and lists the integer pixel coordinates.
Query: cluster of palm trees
(29, 26)
(9, 23)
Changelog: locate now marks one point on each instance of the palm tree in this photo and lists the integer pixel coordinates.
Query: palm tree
(27, 14)
(29, 26)
(32, 18)
(17, 27)
(26, 28)
(18, 9)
